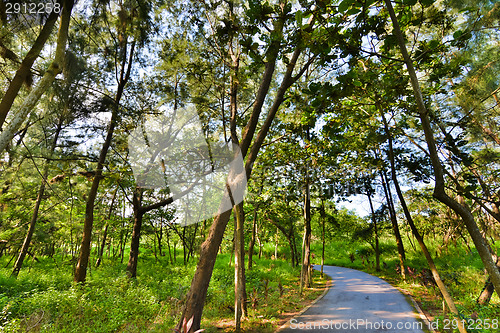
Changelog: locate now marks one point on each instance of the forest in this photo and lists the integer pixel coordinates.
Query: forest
(181, 164)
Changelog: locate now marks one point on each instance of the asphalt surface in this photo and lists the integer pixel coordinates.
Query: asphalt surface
(358, 302)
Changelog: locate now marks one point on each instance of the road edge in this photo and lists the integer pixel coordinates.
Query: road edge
(329, 285)
(420, 312)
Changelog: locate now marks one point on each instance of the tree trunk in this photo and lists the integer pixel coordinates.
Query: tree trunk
(34, 217)
(251, 245)
(374, 221)
(199, 285)
(240, 310)
(168, 246)
(305, 274)
(439, 188)
(105, 233)
(395, 227)
(276, 243)
(81, 267)
(55, 68)
(193, 308)
(24, 69)
(159, 237)
(136, 234)
(135, 241)
(437, 278)
(322, 235)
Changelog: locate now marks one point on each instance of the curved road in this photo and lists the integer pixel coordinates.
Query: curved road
(358, 302)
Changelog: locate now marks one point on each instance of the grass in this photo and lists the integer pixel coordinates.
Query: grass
(44, 298)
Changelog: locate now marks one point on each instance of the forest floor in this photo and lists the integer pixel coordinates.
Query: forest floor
(267, 313)
(292, 305)
(44, 298)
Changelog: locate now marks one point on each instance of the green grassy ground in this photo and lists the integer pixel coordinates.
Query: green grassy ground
(44, 298)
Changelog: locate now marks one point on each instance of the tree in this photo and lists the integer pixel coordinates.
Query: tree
(23, 73)
(54, 69)
(437, 278)
(196, 296)
(439, 188)
(125, 52)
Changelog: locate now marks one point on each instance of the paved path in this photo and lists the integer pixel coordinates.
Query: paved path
(358, 302)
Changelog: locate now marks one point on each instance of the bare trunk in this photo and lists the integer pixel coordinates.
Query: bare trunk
(305, 274)
(276, 243)
(486, 294)
(34, 217)
(24, 69)
(435, 274)
(105, 233)
(159, 237)
(251, 245)
(439, 189)
(136, 234)
(83, 260)
(32, 99)
(395, 227)
(135, 241)
(322, 235)
(375, 226)
(240, 310)
(199, 285)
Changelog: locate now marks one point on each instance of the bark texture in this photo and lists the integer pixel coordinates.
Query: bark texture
(83, 260)
(55, 68)
(439, 186)
(432, 266)
(31, 229)
(24, 69)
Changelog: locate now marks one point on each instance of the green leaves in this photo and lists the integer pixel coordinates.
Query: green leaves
(298, 17)
(350, 7)
(410, 2)
(345, 4)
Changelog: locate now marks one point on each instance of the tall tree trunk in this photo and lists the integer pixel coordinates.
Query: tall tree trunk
(323, 218)
(276, 243)
(34, 217)
(159, 237)
(305, 274)
(55, 68)
(239, 231)
(105, 233)
(83, 260)
(195, 301)
(199, 285)
(136, 234)
(375, 226)
(251, 245)
(395, 227)
(240, 310)
(435, 274)
(24, 69)
(439, 188)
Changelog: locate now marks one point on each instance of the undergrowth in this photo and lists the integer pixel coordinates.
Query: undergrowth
(44, 298)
